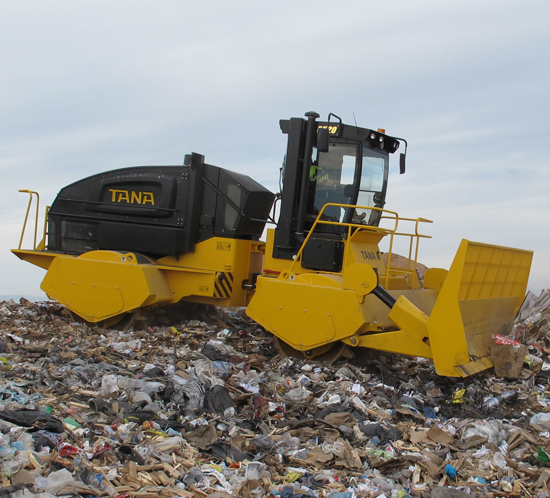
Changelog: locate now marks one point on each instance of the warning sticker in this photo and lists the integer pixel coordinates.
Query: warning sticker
(223, 246)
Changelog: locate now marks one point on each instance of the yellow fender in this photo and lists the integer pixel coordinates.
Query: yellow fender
(108, 282)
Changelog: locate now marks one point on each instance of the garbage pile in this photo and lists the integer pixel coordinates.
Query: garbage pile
(200, 404)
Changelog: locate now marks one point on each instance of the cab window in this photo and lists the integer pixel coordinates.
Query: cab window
(332, 177)
(372, 189)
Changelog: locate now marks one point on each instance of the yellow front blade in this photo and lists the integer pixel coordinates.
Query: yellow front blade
(481, 294)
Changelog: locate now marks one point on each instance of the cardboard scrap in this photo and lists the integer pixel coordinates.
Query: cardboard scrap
(346, 455)
(417, 435)
(439, 436)
(318, 456)
(508, 359)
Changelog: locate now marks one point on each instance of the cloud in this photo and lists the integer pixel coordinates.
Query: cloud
(92, 86)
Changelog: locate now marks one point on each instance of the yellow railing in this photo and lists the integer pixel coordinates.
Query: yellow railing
(40, 245)
(392, 231)
(414, 243)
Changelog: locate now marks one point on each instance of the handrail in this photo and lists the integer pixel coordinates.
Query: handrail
(31, 193)
(42, 244)
(392, 231)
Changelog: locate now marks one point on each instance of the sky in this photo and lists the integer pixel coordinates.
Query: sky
(90, 86)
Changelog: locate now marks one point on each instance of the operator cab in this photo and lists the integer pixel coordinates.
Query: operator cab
(350, 174)
(330, 163)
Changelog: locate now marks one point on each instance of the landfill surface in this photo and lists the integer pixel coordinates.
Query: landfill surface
(196, 402)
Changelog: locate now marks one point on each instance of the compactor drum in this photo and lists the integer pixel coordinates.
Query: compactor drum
(128, 239)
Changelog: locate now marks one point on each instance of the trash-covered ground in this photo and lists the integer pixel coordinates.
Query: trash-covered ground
(203, 405)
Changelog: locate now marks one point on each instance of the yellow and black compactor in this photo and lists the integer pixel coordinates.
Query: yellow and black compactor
(117, 242)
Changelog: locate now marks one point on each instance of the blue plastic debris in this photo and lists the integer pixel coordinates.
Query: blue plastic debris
(429, 412)
(450, 471)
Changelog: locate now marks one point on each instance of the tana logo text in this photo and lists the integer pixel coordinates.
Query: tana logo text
(132, 197)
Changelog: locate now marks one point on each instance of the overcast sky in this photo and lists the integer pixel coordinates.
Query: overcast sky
(90, 86)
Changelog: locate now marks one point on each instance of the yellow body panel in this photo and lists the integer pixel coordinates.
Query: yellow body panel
(215, 272)
(273, 266)
(43, 259)
(305, 313)
(411, 337)
(452, 322)
(100, 284)
(308, 312)
(451, 319)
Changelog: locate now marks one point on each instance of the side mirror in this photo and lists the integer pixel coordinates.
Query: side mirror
(401, 164)
(322, 139)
